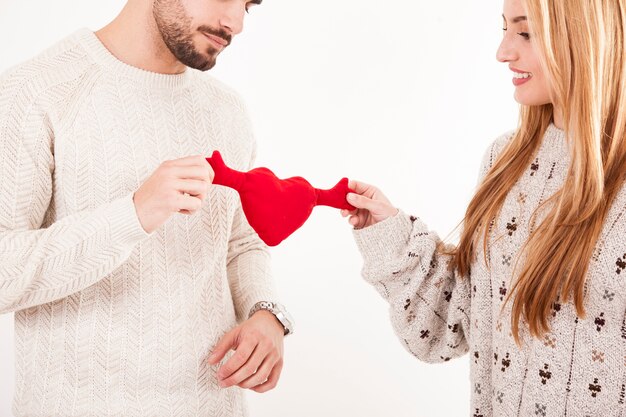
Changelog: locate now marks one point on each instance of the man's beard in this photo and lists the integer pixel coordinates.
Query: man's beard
(174, 24)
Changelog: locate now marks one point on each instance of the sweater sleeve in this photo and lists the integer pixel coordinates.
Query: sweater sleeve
(248, 264)
(40, 265)
(249, 271)
(429, 302)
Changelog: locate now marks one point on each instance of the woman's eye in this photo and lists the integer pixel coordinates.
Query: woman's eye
(524, 35)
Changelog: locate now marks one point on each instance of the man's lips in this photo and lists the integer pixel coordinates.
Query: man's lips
(221, 42)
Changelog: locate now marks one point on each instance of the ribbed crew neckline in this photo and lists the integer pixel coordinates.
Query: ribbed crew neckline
(106, 59)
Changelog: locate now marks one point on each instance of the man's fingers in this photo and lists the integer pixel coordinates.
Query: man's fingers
(272, 379)
(188, 203)
(193, 187)
(194, 172)
(191, 160)
(261, 375)
(223, 346)
(239, 358)
(240, 369)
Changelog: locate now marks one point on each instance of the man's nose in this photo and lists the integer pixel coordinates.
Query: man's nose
(232, 17)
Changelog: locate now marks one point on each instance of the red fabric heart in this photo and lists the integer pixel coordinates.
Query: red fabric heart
(276, 208)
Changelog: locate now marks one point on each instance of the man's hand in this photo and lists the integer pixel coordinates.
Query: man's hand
(176, 186)
(258, 358)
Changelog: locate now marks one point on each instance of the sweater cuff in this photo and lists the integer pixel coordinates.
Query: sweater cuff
(255, 298)
(124, 222)
(385, 239)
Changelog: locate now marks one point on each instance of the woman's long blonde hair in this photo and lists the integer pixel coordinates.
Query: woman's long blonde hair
(582, 46)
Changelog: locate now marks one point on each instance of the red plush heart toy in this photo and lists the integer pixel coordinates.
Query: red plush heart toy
(276, 208)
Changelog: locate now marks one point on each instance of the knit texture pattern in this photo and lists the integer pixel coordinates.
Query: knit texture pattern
(111, 320)
(577, 369)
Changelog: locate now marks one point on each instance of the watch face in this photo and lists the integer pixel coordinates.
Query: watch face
(288, 317)
(286, 321)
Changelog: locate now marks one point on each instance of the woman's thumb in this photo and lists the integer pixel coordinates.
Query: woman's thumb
(360, 201)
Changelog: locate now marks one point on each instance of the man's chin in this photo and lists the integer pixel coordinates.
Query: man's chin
(208, 65)
(207, 61)
(204, 64)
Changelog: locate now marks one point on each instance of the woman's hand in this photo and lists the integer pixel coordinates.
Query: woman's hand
(372, 206)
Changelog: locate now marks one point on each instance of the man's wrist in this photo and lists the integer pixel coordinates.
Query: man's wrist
(278, 311)
(271, 317)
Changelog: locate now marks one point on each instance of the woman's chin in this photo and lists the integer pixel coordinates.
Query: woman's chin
(527, 100)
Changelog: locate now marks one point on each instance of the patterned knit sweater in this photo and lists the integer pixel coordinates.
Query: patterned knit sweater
(110, 320)
(578, 369)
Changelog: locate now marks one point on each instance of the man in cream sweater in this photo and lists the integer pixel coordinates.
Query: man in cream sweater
(130, 275)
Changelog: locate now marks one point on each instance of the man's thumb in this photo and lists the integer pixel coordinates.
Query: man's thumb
(223, 346)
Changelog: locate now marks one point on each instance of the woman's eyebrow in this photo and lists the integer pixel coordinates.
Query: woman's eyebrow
(517, 19)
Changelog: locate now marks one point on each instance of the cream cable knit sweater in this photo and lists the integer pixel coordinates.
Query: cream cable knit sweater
(578, 369)
(110, 320)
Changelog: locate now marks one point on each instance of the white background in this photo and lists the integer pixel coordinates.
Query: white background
(404, 94)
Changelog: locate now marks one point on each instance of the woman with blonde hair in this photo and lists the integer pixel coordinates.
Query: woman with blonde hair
(535, 290)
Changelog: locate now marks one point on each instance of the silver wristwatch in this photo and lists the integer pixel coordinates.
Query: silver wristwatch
(277, 310)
